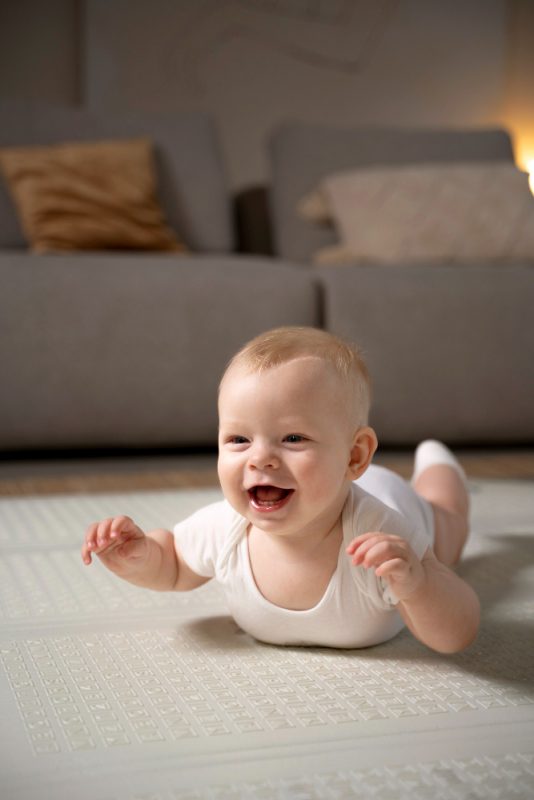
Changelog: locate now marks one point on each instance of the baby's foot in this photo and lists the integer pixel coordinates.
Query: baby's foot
(430, 453)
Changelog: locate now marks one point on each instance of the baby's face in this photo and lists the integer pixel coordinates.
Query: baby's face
(284, 446)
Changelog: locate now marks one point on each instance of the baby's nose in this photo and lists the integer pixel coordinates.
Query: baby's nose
(262, 456)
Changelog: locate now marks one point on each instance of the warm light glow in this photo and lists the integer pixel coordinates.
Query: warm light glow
(529, 166)
(524, 158)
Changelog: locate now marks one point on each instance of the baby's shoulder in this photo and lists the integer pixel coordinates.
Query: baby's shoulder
(207, 537)
(364, 512)
(218, 517)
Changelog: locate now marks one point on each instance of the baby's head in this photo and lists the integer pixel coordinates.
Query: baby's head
(293, 407)
(344, 361)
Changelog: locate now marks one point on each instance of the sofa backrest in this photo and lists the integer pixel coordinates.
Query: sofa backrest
(301, 155)
(191, 183)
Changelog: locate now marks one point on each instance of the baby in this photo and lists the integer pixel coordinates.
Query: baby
(313, 545)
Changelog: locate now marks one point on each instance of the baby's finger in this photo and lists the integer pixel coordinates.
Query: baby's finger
(86, 554)
(359, 540)
(103, 532)
(115, 531)
(89, 542)
(120, 525)
(90, 536)
(360, 553)
(378, 552)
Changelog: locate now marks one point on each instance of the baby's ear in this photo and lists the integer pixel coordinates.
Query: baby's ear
(363, 449)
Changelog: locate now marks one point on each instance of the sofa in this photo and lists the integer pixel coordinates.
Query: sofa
(116, 349)
(450, 346)
(125, 349)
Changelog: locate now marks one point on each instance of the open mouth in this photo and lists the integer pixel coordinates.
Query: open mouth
(269, 498)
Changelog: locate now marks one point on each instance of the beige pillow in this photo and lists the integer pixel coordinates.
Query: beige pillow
(88, 196)
(431, 213)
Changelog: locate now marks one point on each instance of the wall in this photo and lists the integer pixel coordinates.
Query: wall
(253, 63)
(40, 51)
(518, 109)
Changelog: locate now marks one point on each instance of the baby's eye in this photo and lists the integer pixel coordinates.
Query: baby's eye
(237, 440)
(294, 438)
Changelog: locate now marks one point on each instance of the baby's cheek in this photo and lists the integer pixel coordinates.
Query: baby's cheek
(322, 478)
(228, 479)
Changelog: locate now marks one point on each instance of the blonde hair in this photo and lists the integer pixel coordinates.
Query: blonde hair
(280, 345)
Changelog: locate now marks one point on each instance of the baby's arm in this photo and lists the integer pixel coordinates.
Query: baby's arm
(439, 608)
(149, 560)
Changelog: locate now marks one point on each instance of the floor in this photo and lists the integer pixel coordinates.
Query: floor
(50, 474)
(109, 692)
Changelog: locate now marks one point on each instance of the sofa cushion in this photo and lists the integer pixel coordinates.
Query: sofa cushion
(301, 155)
(190, 177)
(88, 196)
(121, 350)
(450, 350)
(431, 213)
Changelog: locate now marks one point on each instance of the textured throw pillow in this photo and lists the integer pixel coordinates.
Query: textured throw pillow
(430, 213)
(88, 196)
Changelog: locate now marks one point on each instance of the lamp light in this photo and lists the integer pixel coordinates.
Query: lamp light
(524, 157)
(529, 166)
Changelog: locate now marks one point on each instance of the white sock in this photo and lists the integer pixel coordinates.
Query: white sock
(430, 453)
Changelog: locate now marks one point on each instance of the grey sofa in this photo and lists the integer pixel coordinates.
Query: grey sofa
(126, 350)
(451, 348)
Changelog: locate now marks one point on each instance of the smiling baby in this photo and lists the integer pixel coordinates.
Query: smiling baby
(312, 544)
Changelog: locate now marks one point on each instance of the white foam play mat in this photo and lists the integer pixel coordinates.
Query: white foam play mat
(111, 692)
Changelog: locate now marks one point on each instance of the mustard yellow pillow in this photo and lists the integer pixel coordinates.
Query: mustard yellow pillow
(88, 196)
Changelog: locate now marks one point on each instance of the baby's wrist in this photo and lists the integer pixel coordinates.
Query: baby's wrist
(416, 593)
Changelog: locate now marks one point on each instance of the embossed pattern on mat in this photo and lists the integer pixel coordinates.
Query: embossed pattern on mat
(111, 692)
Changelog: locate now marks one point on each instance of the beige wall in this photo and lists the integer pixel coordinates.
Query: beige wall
(254, 63)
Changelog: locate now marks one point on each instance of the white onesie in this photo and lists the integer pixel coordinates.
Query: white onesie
(357, 608)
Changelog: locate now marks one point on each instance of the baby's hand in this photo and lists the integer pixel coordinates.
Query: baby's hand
(392, 558)
(114, 540)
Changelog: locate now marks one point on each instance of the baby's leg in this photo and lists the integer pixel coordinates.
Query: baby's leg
(439, 478)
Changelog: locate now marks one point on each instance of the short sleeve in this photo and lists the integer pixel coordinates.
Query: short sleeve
(201, 537)
(373, 515)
